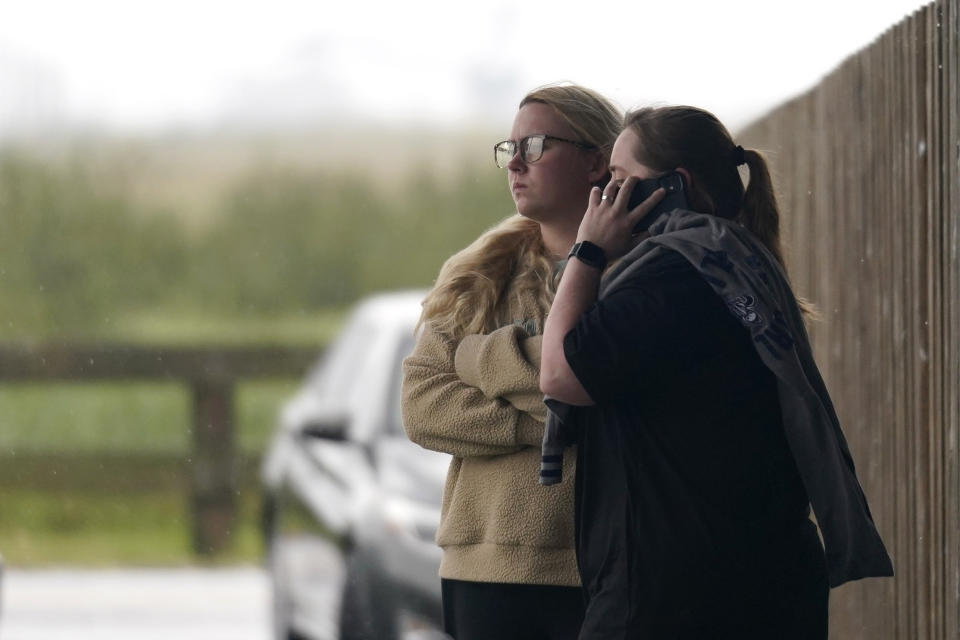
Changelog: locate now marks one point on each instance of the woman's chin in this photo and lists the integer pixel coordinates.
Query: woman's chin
(527, 211)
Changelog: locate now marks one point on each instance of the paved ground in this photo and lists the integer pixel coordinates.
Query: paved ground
(146, 604)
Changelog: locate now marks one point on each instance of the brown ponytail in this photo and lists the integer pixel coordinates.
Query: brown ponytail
(760, 215)
(759, 212)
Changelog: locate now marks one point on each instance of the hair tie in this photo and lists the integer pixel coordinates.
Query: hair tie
(738, 156)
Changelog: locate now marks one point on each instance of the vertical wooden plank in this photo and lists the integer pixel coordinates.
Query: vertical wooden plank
(900, 356)
(949, 68)
(912, 360)
(929, 153)
(213, 471)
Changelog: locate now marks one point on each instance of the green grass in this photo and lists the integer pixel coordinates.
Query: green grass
(97, 474)
(93, 418)
(111, 510)
(179, 327)
(124, 417)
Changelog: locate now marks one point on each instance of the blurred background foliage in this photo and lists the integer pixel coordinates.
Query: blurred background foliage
(197, 241)
(90, 249)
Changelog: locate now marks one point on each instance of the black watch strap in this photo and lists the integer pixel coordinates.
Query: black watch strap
(589, 254)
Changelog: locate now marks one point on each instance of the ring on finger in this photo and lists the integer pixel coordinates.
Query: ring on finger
(604, 197)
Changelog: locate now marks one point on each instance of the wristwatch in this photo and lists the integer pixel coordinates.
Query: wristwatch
(589, 254)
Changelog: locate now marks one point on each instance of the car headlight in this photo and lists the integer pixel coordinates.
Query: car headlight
(405, 517)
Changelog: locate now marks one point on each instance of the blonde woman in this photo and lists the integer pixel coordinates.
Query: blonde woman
(471, 386)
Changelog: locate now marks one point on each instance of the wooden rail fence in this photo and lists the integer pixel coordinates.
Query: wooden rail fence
(211, 373)
(867, 168)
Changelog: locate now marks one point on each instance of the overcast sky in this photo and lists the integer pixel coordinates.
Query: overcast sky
(149, 65)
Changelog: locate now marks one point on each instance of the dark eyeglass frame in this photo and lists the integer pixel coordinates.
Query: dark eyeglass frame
(521, 144)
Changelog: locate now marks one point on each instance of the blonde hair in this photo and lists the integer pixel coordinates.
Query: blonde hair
(472, 283)
(696, 140)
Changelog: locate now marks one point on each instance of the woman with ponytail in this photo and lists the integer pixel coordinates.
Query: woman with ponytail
(471, 386)
(705, 433)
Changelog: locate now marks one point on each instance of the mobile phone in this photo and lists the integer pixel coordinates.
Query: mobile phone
(676, 197)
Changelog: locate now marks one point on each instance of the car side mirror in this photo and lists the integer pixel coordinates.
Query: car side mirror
(331, 426)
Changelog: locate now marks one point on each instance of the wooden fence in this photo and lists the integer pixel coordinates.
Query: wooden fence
(867, 166)
(211, 373)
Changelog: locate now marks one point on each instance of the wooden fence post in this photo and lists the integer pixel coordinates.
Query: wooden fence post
(213, 470)
(211, 372)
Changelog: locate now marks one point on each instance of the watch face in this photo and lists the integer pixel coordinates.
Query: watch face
(590, 254)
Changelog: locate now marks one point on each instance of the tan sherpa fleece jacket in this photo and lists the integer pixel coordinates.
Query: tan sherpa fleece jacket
(480, 401)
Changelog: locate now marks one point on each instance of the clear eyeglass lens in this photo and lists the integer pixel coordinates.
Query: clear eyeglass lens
(532, 148)
(505, 152)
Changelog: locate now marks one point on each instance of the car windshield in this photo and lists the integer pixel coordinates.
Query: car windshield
(395, 418)
(335, 374)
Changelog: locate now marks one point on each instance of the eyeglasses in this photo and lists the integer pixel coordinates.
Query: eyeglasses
(531, 148)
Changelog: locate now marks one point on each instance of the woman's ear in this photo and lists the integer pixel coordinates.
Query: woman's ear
(598, 171)
(698, 201)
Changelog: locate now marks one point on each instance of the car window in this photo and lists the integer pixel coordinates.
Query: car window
(395, 417)
(335, 374)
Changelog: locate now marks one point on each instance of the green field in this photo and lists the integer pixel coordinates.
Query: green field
(108, 509)
(97, 474)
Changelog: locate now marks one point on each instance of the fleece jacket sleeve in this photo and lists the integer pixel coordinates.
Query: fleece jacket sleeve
(504, 364)
(443, 413)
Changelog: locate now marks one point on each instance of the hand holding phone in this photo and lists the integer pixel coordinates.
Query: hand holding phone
(676, 197)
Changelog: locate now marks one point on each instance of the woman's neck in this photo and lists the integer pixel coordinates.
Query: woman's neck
(558, 238)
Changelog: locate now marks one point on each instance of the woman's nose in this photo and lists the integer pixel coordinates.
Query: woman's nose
(516, 162)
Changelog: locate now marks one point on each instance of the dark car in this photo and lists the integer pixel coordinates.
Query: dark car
(351, 506)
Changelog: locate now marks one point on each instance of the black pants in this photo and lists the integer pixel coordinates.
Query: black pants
(497, 611)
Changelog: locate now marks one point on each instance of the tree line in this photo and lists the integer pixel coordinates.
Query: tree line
(77, 252)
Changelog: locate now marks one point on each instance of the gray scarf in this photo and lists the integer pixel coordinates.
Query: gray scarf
(755, 289)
